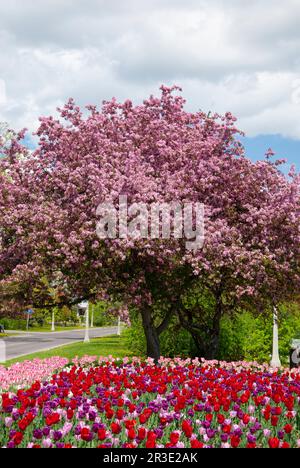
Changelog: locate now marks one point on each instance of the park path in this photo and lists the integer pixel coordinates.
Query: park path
(28, 343)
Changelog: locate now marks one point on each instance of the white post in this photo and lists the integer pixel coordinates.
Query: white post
(275, 362)
(86, 336)
(53, 320)
(119, 326)
(92, 317)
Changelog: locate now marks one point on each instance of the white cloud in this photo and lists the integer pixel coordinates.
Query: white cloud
(227, 55)
(2, 92)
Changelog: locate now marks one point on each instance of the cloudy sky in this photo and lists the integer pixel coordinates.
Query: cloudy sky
(226, 55)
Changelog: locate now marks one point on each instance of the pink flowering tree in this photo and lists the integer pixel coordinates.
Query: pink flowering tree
(251, 255)
(153, 152)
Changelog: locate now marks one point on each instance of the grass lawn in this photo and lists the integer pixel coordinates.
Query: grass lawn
(5, 335)
(109, 345)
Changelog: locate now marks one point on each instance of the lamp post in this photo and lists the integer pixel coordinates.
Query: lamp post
(53, 294)
(92, 317)
(53, 320)
(275, 361)
(87, 334)
(119, 326)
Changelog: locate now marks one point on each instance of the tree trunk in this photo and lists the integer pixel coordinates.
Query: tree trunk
(198, 344)
(208, 349)
(151, 334)
(214, 338)
(212, 351)
(206, 338)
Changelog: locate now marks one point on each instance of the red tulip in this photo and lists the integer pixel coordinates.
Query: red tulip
(115, 428)
(85, 434)
(235, 441)
(274, 421)
(288, 428)
(274, 443)
(196, 444)
(142, 433)
(187, 428)
(18, 437)
(131, 434)
(174, 437)
(101, 434)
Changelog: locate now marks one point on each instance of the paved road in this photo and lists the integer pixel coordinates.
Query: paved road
(28, 343)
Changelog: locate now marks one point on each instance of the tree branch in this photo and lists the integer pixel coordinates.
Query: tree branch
(61, 303)
(165, 321)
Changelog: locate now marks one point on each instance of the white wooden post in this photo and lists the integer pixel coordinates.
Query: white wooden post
(87, 334)
(275, 362)
(53, 320)
(92, 317)
(119, 326)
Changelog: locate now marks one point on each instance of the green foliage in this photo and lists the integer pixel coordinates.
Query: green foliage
(134, 337)
(102, 317)
(13, 324)
(243, 336)
(64, 316)
(174, 341)
(250, 338)
(40, 318)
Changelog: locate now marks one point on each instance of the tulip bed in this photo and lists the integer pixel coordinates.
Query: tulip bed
(24, 373)
(134, 403)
